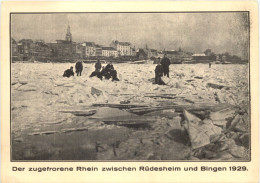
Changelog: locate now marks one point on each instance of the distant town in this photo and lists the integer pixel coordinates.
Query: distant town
(66, 50)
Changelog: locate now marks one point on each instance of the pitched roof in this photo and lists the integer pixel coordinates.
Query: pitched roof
(108, 48)
(98, 46)
(124, 43)
(141, 51)
(89, 43)
(26, 40)
(41, 44)
(121, 43)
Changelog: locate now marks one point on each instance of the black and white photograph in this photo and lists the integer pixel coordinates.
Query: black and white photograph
(130, 86)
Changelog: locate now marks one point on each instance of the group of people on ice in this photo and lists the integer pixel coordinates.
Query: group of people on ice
(162, 69)
(108, 72)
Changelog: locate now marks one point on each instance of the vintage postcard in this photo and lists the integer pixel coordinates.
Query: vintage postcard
(129, 92)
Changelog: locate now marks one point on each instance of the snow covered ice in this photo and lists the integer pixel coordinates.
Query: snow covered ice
(39, 94)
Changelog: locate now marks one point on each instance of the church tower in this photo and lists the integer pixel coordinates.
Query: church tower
(68, 35)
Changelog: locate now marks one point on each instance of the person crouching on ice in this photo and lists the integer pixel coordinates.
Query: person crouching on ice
(109, 72)
(113, 74)
(106, 72)
(68, 72)
(158, 74)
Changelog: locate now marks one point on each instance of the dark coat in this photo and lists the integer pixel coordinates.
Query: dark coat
(79, 67)
(68, 73)
(109, 72)
(113, 74)
(158, 74)
(165, 63)
(109, 67)
(98, 74)
(159, 70)
(106, 72)
(98, 66)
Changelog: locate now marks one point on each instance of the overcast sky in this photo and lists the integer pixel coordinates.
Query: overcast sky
(193, 32)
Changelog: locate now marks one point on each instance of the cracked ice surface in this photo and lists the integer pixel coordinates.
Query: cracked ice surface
(39, 92)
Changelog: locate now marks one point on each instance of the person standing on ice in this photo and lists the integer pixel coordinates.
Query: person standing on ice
(68, 72)
(79, 68)
(158, 74)
(98, 66)
(97, 71)
(165, 64)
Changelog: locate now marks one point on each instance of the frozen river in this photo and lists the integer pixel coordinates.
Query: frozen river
(39, 93)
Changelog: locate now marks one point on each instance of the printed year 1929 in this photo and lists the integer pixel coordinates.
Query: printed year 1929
(238, 168)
